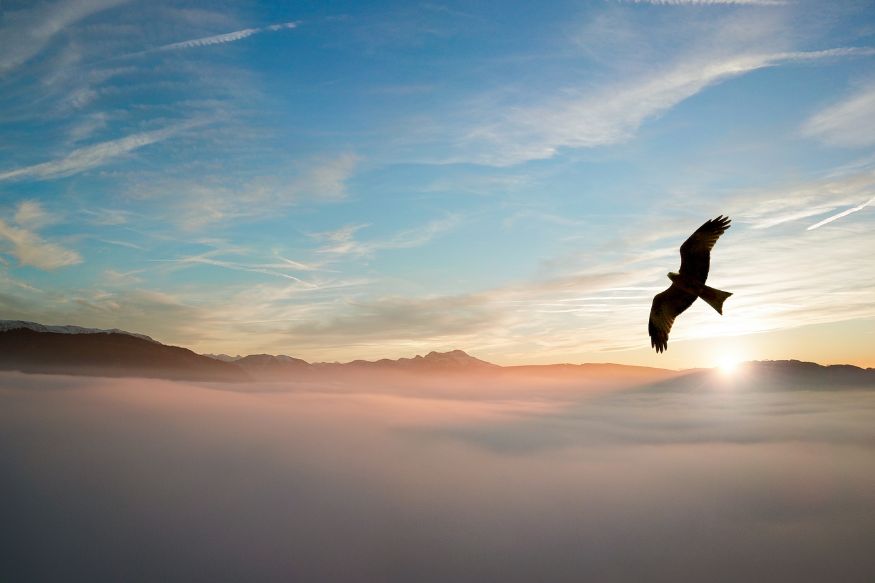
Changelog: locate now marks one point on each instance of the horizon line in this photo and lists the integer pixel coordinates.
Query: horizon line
(76, 329)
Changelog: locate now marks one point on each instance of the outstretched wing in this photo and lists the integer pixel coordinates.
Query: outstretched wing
(696, 251)
(666, 307)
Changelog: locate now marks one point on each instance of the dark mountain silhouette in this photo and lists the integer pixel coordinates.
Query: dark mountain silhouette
(19, 324)
(36, 348)
(809, 374)
(33, 348)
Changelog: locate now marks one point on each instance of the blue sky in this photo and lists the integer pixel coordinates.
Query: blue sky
(349, 180)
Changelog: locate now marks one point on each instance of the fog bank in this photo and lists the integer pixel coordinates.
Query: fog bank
(135, 480)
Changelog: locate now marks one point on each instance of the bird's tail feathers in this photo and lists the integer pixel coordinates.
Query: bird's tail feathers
(714, 297)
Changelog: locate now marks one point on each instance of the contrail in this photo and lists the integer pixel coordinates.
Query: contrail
(217, 39)
(841, 214)
(224, 38)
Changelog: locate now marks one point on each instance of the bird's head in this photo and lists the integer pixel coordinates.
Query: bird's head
(672, 275)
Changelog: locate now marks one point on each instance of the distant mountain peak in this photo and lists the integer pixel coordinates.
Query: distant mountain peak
(451, 353)
(455, 358)
(6, 325)
(271, 359)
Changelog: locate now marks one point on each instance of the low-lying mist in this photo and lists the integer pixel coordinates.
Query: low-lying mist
(147, 480)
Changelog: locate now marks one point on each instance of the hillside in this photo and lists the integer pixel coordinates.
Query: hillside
(29, 347)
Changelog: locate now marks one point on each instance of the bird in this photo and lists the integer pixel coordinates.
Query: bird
(689, 284)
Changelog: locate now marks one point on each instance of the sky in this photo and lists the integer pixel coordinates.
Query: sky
(340, 180)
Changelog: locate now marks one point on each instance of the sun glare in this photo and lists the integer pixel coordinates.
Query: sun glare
(729, 364)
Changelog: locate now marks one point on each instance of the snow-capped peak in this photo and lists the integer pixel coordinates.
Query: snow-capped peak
(6, 325)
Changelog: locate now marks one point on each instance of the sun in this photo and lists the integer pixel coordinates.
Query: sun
(729, 364)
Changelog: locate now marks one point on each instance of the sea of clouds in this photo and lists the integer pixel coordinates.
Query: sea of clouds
(149, 480)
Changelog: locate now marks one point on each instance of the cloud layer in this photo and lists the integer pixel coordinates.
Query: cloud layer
(358, 483)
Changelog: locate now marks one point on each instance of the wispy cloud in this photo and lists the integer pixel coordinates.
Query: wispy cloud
(27, 246)
(849, 123)
(126, 244)
(30, 214)
(26, 32)
(400, 319)
(326, 180)
(104, 216)
(614, 114)
(841, 214)
(92, 156)
(122, 278)
(776, 207)
(342, 242)
(275, 269)
(215, 197)
(298, 265)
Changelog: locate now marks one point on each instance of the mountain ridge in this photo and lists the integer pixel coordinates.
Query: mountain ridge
(94, 352)
(6, 325)
(34, 347)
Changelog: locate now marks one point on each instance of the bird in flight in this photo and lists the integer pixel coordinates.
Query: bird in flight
(689, 284)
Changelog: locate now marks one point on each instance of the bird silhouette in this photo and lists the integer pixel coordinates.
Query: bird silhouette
(689, 284)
